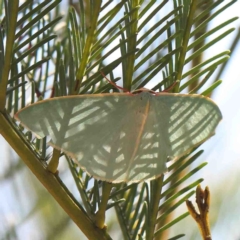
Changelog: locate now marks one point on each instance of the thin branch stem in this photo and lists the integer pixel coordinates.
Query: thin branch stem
(100, 215)
(201, 218)
(186, 37)
(50, 181)
(8, 54)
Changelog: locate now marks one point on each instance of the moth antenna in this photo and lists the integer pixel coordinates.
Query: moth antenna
(52, 92)
(114, 84)
(171, 86)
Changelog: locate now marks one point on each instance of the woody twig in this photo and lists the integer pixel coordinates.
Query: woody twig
(203, 203)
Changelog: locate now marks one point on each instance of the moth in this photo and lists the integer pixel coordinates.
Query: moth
(123, 137)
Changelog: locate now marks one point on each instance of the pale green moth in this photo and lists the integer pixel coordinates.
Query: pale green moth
(122, 137)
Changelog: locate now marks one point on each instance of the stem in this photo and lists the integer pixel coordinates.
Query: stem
(13, 12)
(132, 45)
(201, 218)
(186, 37)
(53, 164)
(88, 45)
(50, 181)
(100, 215)
(156, 187)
